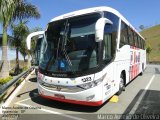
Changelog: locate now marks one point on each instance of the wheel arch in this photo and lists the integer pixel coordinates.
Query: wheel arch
(123, 72)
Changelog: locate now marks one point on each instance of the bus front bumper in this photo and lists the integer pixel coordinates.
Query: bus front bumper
(89, 97)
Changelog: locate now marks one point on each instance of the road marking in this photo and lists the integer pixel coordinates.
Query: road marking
(146, 88)
(52, 112)
(141, 96)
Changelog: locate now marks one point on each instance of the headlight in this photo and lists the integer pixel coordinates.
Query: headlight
(40, 77)
(91, 84)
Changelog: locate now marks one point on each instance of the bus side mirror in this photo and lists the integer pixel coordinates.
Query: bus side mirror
(99, 28)
(29, 37)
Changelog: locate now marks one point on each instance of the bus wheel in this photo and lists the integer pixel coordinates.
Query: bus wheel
(121, 85)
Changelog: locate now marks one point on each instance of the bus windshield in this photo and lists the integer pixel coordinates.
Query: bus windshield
(69, 45)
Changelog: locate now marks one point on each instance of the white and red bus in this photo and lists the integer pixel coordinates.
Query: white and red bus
(89, 55)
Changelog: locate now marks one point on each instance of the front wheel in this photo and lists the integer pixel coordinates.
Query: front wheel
(121, 85)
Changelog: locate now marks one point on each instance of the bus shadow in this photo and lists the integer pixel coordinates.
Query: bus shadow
(61, 105)
(33, 79)
(157, 71)
(148, 105)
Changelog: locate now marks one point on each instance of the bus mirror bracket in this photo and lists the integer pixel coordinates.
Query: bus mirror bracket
(99, 28)
(29, 37)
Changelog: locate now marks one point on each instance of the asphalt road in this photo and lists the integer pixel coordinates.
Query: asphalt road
(141, 99)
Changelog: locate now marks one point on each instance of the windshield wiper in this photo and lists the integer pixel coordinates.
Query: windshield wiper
(65, 37)
(63, 49)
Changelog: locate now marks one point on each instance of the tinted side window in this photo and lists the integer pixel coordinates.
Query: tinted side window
(140, 42)
(115, 21)
(124, 35)
(110, 36)
(107, 55)
(109, 42)
(131, 36)
(136, 40)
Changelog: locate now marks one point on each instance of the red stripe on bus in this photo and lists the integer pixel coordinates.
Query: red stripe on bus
(134, 62)
(97, 103)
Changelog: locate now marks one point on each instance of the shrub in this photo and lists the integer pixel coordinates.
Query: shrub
(24, 68)
(5, 80)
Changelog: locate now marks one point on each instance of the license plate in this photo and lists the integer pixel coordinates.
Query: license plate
(59, 96)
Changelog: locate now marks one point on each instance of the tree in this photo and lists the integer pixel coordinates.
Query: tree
(23, 49)
(35, 29)
(19, 31)
(148, 50)
(11, 10)
(141, 27)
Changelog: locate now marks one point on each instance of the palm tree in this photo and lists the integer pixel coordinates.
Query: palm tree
(20, 32)
(11, 10)
(23, 49)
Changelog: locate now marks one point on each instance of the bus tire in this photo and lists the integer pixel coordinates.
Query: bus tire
(121, 84)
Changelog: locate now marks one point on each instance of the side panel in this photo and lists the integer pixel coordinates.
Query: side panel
(108, 82)
(135, 62)
(122, 63)
(143, 58)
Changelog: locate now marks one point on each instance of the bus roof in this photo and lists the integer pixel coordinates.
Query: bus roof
(94, 10)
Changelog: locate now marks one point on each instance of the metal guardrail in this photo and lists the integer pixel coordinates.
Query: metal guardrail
(4, 88)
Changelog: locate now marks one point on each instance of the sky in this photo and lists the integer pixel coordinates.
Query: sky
(137, 12)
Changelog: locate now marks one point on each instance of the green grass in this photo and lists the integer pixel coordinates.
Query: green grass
(152, 36)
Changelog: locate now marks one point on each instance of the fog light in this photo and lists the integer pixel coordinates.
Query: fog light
(90, 97)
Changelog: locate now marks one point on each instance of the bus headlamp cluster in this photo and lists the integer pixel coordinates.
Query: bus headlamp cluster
(40, 76)
(91, 84)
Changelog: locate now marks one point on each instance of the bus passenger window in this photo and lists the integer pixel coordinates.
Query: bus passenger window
(136, 40)
(107, 46)
(110, 35)
(131, 37)
(124, 35)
